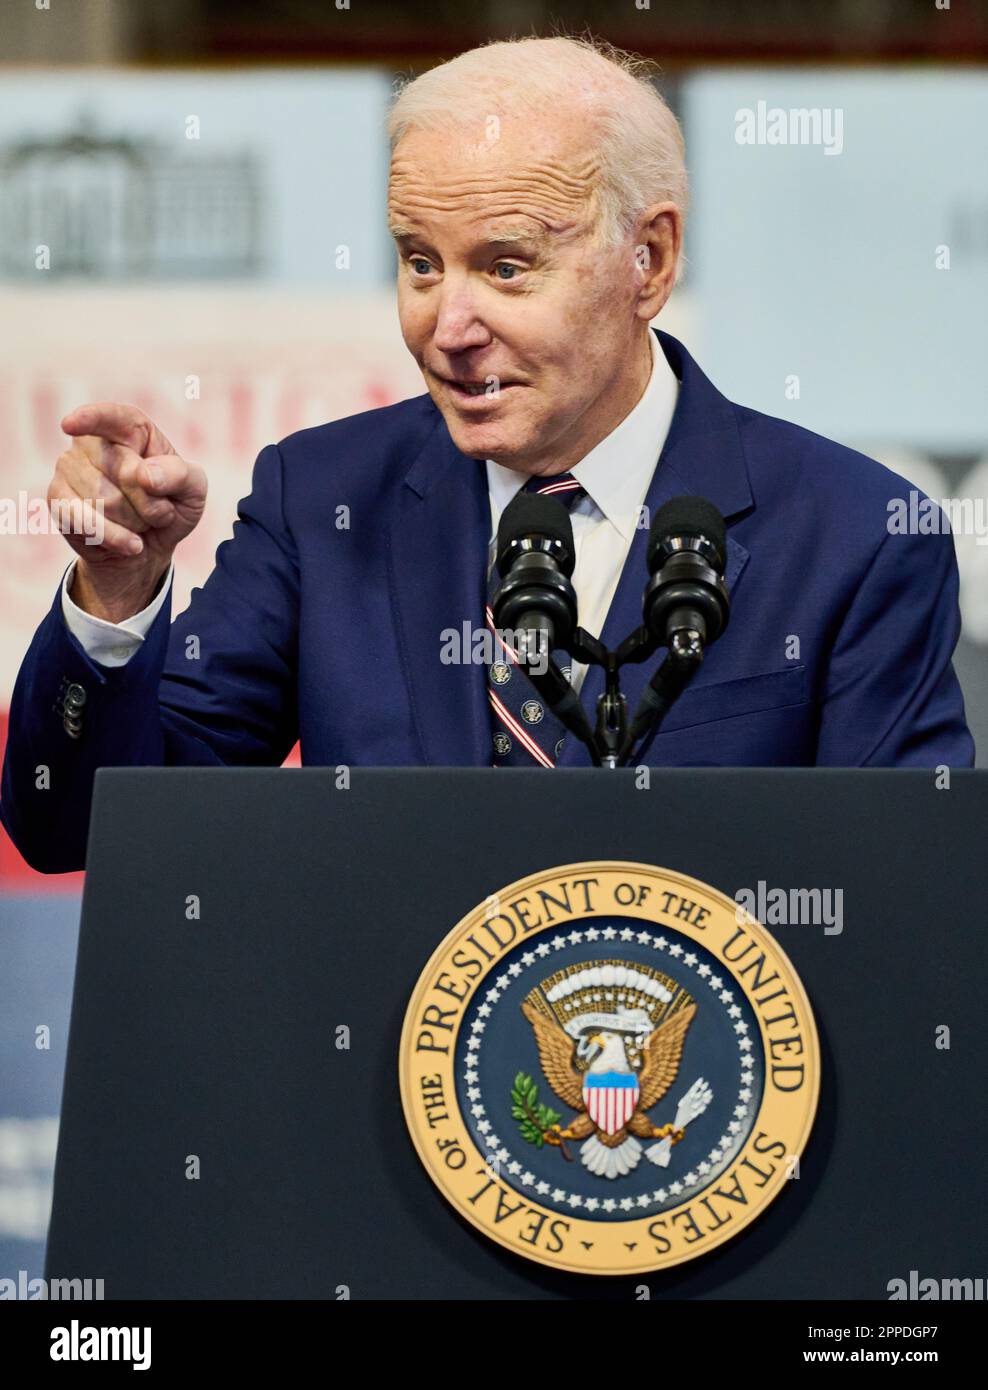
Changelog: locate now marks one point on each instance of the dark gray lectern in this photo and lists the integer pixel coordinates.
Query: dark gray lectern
(320, 906)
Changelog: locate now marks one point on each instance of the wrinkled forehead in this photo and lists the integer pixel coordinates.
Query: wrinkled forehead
(472, 172)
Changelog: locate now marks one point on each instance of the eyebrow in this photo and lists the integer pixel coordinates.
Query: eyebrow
(503, 236)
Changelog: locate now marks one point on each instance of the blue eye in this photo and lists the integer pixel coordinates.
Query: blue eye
(504, 270)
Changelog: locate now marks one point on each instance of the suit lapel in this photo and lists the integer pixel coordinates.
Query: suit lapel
(439, 534)
(703, 457)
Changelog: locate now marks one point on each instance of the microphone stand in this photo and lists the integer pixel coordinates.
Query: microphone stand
(612, 708)
(614, 739)
(612, 742)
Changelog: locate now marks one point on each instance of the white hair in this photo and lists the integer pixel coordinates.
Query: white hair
(637, 137)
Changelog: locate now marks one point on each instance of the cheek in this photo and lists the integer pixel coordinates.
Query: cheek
(412, 316)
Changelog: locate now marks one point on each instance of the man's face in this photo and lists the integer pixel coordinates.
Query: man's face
(502, 287)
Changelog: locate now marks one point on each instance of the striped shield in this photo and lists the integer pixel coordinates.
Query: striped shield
(610, 1098)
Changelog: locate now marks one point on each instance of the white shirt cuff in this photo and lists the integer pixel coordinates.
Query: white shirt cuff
(111, 644)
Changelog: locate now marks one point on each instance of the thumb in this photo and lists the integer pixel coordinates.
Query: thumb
(167, 475)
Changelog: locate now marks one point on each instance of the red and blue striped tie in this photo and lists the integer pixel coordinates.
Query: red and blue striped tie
(525, 731)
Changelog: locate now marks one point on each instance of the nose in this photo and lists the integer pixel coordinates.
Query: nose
(458, 326)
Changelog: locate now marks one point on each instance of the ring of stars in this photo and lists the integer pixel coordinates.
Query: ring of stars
(522, 1177)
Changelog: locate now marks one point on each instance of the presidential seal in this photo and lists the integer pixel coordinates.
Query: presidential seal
(609, 1068)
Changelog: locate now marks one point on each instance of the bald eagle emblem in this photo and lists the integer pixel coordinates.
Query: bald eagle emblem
(610, 1039)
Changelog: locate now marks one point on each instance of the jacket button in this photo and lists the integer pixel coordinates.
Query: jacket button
(75, 697)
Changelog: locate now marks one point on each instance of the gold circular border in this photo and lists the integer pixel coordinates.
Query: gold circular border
(771, 1110)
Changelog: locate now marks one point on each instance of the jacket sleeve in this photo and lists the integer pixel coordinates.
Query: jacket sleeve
(216, 687)
(892, 698)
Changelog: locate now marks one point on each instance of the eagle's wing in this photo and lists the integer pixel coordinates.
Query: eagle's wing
(662, 1056)
(556, 1055)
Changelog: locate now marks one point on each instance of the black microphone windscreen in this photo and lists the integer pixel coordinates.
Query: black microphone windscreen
(687, 517)
(529, 514)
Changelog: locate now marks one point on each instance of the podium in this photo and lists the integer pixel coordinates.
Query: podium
(231, 1123)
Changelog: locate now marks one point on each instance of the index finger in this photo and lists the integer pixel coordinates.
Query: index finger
(117, 423)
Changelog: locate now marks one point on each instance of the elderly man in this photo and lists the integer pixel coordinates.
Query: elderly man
(537, 200)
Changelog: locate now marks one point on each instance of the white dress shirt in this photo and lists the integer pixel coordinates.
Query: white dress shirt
(616, 474)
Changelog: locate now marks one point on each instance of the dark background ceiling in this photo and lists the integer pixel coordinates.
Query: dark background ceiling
(402, 33)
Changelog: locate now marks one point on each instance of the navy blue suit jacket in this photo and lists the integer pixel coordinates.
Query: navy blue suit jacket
(310, 630)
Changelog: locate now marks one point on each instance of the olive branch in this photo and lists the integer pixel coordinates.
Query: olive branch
(534, 1117)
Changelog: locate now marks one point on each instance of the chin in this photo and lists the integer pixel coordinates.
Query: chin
(485, 440)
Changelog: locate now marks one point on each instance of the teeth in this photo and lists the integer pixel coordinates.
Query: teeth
(476, 389)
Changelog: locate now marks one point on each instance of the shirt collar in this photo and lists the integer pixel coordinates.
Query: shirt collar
(617, 471)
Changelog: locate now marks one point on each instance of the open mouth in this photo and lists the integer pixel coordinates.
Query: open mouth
(468, 390)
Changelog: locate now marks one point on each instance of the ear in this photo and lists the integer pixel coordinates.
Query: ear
(658, 240)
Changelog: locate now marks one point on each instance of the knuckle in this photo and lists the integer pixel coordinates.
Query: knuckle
(127, 473)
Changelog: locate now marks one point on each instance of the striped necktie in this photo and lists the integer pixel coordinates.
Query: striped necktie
(525, 731)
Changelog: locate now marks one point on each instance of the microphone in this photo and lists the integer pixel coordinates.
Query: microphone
(686, 606)
(536, 600)
(535, 558)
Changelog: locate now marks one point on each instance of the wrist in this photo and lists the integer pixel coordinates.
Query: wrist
(115, 596)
